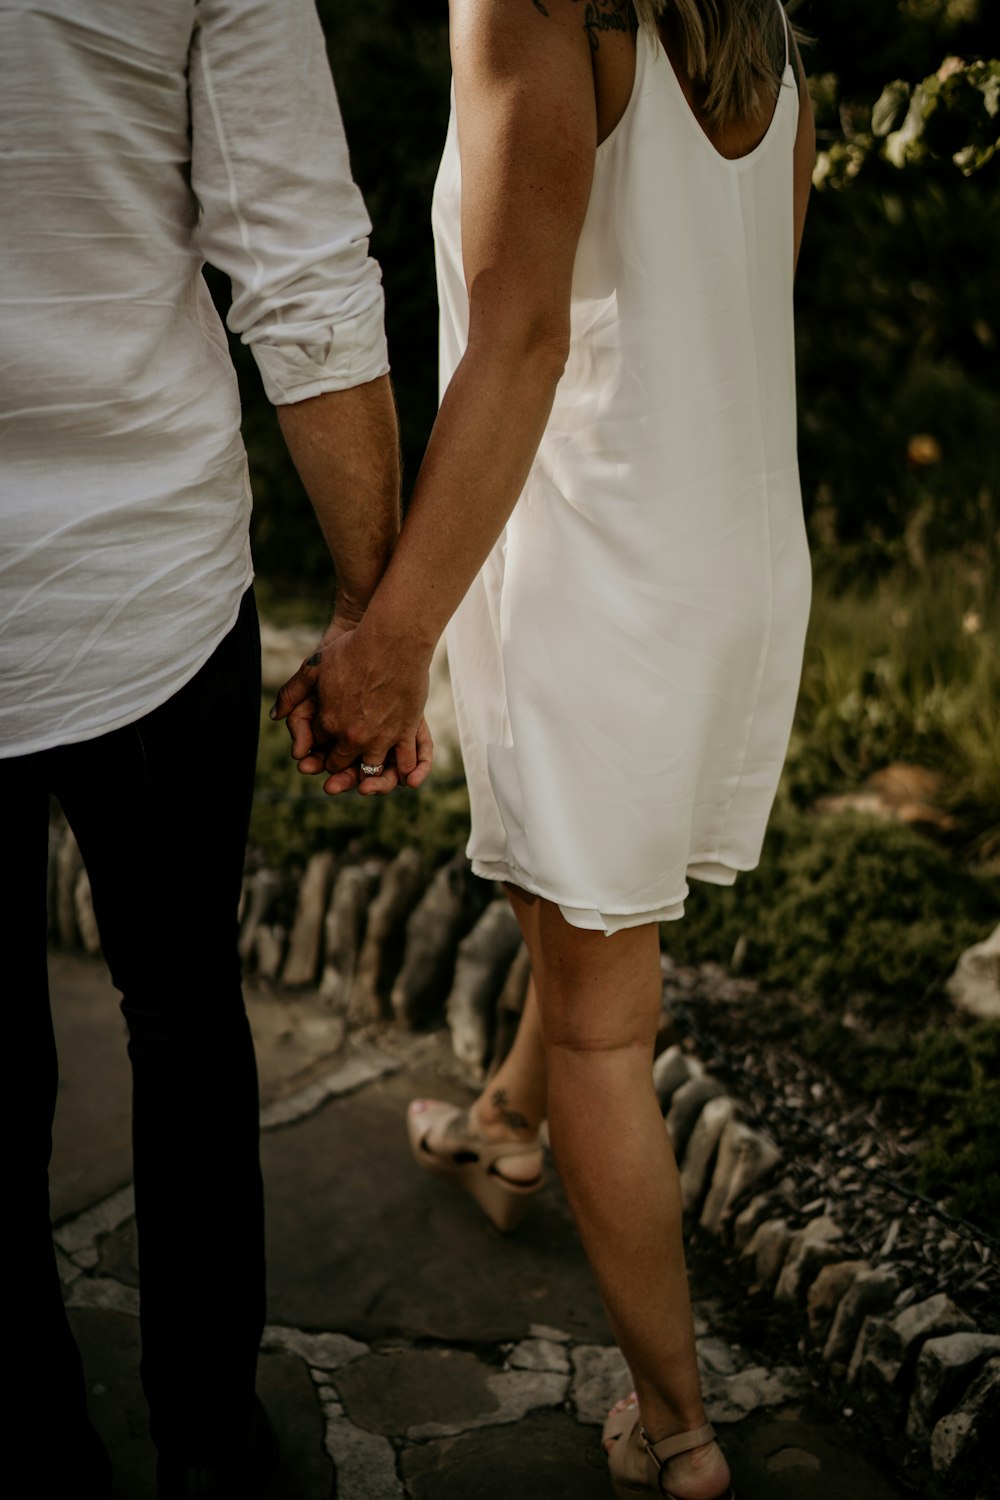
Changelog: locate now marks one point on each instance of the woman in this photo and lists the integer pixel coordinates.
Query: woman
(617, 217)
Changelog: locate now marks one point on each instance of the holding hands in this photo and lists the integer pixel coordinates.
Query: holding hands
(354, 710)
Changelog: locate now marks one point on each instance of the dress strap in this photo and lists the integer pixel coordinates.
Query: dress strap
(785, 25)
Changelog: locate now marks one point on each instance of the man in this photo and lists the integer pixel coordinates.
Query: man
(138, 138)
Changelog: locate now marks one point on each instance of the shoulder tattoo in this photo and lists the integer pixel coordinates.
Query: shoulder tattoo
(601, 15)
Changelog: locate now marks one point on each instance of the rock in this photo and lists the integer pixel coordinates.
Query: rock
(826, 1293)
(719, 1357)
(903, 792)
(600, 1378)
(872, 1291)
(701, 1149)
(512, 1394)
(382, 949)
(746, 1158)
(484, 958)
(766, 1250)
(366, 1462)
(975, 985)
(811, 1248)
(69, 863)
(747, 1220)
(344, 928)
(321, 1351)
(269, 946)
(945, 1367)
(447, 908)
(546, 1331)
(686, 1105)
(539, 1354)
(670, 1070)
(887, 1348)
(730, 1398)
(86, 921)
(302, 963)
(963, 1444)
(263, 887)
(510, 1004)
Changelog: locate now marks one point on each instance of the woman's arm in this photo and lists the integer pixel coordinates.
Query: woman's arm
(527, 136)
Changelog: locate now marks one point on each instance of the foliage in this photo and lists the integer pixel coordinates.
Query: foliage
(850, 910)
(952, 1079)
(953, 115)
(899, 395)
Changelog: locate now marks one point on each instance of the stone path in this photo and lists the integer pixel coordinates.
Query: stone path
(408, 1343)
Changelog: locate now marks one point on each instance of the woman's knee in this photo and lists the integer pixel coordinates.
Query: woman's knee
(596, 994)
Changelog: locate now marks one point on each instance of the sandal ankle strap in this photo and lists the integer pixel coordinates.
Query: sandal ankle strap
(681, 1442)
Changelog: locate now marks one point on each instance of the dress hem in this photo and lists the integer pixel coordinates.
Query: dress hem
(593, 919)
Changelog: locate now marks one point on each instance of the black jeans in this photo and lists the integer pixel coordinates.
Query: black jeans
(160, 810)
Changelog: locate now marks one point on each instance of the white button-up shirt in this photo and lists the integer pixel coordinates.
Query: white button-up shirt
(139, 138)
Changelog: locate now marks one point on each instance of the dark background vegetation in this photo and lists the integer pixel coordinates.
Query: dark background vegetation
(851, 924)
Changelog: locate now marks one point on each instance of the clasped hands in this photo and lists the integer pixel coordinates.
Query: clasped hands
(354, 700)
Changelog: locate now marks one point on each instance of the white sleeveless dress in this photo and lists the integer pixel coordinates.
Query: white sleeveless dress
(626, 664)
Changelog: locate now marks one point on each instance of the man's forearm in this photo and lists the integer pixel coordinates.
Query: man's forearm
(345, 446)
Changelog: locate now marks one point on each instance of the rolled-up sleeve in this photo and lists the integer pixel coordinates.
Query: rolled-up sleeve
(279, 211)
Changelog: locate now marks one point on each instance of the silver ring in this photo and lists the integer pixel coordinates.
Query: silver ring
(375, 770)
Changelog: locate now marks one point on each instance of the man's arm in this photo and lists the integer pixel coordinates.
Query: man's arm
(282, 216)
(345, 446)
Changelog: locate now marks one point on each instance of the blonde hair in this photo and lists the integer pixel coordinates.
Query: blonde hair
(730, 47)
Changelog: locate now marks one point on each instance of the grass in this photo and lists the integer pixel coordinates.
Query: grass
(907, 668)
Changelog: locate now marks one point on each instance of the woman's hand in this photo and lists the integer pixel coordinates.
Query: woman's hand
(351, 702)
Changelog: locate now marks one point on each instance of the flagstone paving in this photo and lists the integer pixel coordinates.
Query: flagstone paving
(411, 1351)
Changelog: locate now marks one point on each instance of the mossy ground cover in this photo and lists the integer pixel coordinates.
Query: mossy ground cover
(852, 925)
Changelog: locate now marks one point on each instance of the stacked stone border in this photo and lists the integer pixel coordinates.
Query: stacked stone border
(388, 941)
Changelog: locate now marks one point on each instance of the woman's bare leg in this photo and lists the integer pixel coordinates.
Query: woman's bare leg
(599, 1004)
(513, 1104)
(517, 1095)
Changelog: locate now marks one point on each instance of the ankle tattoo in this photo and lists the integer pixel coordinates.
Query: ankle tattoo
(512, 1118)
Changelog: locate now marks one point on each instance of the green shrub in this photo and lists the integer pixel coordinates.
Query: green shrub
(840, 907)
(951, 1080)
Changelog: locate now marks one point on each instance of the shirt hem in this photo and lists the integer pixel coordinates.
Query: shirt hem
(48, 742)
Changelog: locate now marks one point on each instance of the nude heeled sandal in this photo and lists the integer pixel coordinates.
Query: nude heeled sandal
(473, 1164)
(636, 1464)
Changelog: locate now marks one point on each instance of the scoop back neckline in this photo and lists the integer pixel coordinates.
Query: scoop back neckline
(660, 53)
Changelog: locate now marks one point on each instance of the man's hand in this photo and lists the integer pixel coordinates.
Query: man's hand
(354, 700)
